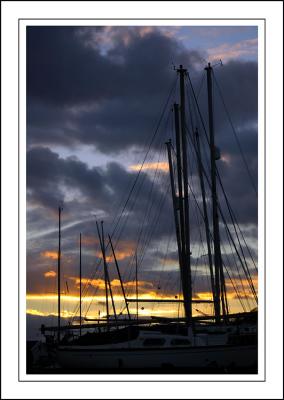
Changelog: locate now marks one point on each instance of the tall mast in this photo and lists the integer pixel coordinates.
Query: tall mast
(80, 284)
(58, 271)
(219, 275)
(179, 205)
(207, 231)
(185, 222)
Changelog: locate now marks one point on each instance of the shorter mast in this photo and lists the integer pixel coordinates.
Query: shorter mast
(136, 276)
(118, 272)
(59, 272)
(175, 202)
(80, 284)
(105, 273)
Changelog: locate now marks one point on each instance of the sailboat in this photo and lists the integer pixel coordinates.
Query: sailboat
(220, 340)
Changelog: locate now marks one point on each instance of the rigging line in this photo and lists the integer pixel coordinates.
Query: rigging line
(224, 221)
(236, 250)
(189, 109)
(149, 147)
(190, 188)
(143, 240)
(203, 124)
(161, 272)
(236, 233)
(131, 261)
(251, 284)
(155, 224)
(86, 287)
(179, 293)
(166, 255)
(235, 219)
(237, 268)
(235, 133)
(198, 109)
(201, 84)
(201, 138)
(149, 216)
(247, 247)
(122, 228)
(235, 288)
(158, 175)
(89, 287)
(240, 259)
(194, 270)
(149, 206)
(88, 280)
(193, 100)
(160, 208)
(132, 206)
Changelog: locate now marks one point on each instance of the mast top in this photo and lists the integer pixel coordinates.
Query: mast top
(208, 66)
(181, 69)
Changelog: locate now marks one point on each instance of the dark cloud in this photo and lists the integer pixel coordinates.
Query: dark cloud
(64, 75)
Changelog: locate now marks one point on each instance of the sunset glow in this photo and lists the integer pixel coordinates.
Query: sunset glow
(50, 254)
(50, 274)
(163, 166)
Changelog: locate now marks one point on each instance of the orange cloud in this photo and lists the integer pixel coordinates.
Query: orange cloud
(163, 166)
(50, 274)
(50, 254)
(100, 283)
(120, 255)
(125, 249)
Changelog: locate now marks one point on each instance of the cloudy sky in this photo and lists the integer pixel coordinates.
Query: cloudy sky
(94, 99)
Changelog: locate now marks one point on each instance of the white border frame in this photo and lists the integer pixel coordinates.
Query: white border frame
(22, 286)
(272, 11)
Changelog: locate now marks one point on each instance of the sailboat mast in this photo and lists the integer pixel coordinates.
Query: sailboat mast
(105, 273)
(119, 275)
(207, 230)
(175, 203)
(136, 277)
(216, 233)
(185, 223)
(59, 272)
(179, 206)
(80, 284)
